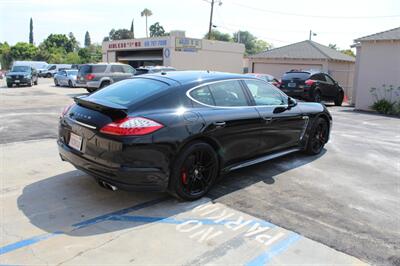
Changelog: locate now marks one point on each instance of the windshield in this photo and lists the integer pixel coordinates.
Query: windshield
(72, 72)
(130, 91)
(20, 69)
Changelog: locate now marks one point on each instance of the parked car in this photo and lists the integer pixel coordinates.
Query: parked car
(153, 69)
(66, 78)
(20, 75)
(313, 86)
(267, 77)
(97, 76)
(179, 131)
(53, 69)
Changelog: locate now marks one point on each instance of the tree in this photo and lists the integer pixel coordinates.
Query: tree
(31, 32)
(344, 51)
(247, 39)
(72, 58)
(121, 34)
(146, 13)
(132, 30)
(261, 46)
(219, 36)
(87, 39)
(58, 41)
(23, 51)
(73, 41)
(5, 56)
(156, 30)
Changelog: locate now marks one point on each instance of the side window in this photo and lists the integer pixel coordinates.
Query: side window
(203, 95)
(319, 77)
(52, 67)
(128, 69)
(329, 80)
(98, 69)
(117, 69)
(264, 93)
(228, 93)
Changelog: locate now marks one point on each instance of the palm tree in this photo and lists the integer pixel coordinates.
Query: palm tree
(146, 13)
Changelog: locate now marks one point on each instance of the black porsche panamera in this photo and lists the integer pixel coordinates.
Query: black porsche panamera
(179, 131)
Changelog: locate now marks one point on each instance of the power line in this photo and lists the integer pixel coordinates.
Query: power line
(312, 16)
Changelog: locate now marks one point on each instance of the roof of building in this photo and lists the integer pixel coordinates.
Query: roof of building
(388, 35)
(305, 50)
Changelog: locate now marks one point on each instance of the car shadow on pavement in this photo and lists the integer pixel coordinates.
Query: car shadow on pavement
(265, 172)
(74, 204)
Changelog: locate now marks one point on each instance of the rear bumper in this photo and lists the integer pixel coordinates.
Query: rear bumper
(126, 178)
(88, 84)
(297, 93)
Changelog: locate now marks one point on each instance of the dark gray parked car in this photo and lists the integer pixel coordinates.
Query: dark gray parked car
(96, 76)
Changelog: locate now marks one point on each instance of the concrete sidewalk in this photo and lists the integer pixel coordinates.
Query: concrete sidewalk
(51, 213)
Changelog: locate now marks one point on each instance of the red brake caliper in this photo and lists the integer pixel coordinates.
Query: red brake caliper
(184, 176)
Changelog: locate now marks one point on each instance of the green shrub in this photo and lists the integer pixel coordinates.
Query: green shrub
(384, 103)
(383, 106)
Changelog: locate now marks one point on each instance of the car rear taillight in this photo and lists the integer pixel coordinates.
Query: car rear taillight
(89, 76)
(66, 109)
(309, 82)
(131, 126)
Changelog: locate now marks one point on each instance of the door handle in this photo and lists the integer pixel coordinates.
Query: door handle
(219, 124)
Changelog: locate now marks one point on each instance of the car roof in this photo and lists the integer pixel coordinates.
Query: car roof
(187, 77)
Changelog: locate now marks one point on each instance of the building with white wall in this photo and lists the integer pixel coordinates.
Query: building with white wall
(177, 51)
(377, 63)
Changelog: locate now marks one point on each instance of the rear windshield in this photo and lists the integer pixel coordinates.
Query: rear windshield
(85, 69)
(130, 91)
(295, 75)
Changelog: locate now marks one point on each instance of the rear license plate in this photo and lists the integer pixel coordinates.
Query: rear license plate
(16, 81)
(291, 85)
(75, 141)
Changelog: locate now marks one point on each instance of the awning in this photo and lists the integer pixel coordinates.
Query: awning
(140, 58)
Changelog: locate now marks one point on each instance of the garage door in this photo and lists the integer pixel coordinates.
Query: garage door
(277, 70)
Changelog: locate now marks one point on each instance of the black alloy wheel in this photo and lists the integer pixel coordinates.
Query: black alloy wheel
(194, 171)
(318, 137)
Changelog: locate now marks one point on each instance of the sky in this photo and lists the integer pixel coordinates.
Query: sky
(280, 22)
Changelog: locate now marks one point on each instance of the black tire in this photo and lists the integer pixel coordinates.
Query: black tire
(9, 85)
(48, 75)
(339, 99)
(316, 96)
(56, 82)
(194, 171)
(104, 84)
(90, 90)
(36, 82)
(318, 137)
(70, 84)
(30, 83)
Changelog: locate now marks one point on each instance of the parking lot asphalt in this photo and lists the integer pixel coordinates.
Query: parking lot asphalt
(341, 207)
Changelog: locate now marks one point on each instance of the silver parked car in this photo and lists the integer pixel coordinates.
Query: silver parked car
(97, 76)
(66, 78)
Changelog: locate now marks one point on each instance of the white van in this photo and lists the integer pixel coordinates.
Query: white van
(53, 69)
(35, 64)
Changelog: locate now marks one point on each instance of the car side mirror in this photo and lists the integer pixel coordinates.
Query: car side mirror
(291, 102)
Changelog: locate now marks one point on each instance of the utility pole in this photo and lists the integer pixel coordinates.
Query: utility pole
(211, 16)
